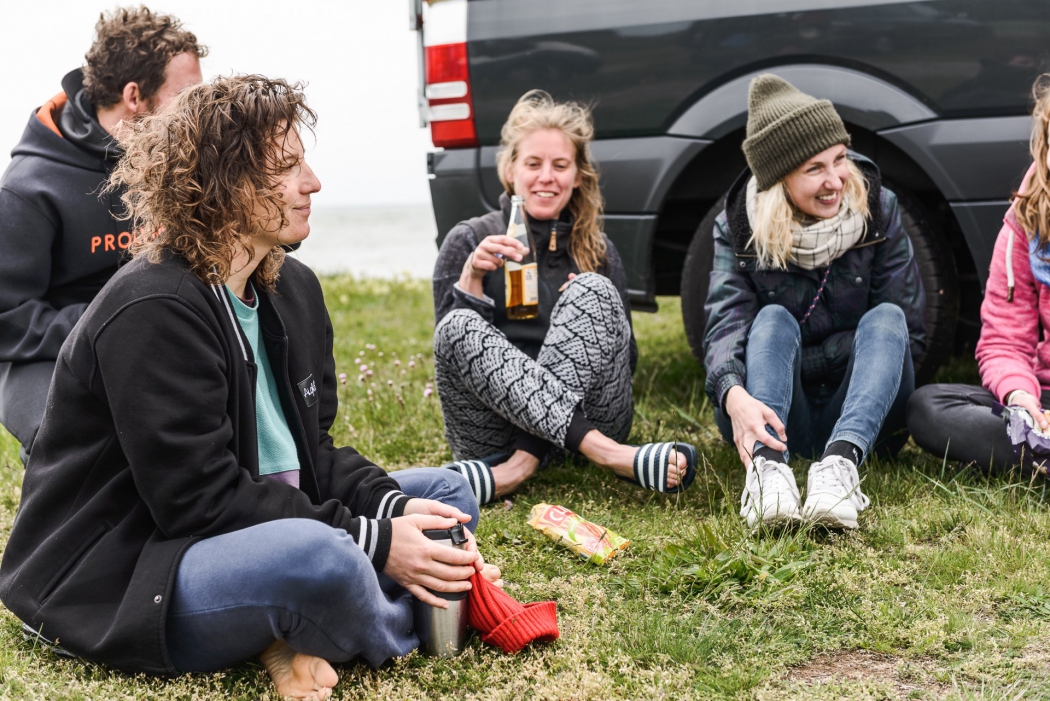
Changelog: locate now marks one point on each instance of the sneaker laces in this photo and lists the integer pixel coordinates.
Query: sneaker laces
(766, 477)
(838, 475)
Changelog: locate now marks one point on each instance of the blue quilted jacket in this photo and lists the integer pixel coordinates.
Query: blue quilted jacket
(880, 268)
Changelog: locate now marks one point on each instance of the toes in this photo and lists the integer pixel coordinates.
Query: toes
(324, 675)
(677, 465)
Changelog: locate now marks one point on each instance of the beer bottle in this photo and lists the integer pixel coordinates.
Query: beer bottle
(522, 277)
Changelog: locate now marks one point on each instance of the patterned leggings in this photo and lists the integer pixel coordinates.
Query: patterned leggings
(490, 389)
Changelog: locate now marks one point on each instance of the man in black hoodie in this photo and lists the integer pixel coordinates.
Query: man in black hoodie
(60, 240)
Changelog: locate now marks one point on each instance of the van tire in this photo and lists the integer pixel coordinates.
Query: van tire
(931, 251)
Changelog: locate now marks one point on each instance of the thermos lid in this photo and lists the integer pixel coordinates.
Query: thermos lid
(455, 534)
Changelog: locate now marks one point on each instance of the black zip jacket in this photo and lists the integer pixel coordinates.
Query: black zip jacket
(60, 241)
(553, 266)
(149, 443)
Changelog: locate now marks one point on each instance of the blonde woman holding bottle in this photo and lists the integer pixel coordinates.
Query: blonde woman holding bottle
(513, 390)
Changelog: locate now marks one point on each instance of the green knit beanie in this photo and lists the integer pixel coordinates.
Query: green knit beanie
(785, 128)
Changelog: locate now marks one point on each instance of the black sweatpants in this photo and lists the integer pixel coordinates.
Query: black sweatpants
(957, 421)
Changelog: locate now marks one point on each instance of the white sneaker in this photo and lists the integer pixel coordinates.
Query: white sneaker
(833, 496)
(770, 494)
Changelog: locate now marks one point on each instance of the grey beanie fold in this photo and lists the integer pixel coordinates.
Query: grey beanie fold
(785, 128)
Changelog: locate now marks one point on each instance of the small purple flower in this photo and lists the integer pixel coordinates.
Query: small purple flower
(427, 392)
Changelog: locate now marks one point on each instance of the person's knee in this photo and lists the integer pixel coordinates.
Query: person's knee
(456, 491)
(921, 412)
(774, 320)
(888, 318)
(461, 496)
(440, 484)
(453, 327)
(592, 284)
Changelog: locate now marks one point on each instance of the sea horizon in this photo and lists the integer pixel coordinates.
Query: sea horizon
(373, 241)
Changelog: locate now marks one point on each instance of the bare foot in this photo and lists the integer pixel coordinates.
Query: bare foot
(493, 574)
(509, 475)
(620, 458)
(298, 676)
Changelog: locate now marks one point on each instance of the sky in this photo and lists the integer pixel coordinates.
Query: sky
(357, 56)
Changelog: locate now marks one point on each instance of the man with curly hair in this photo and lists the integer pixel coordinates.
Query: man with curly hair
(61, 241)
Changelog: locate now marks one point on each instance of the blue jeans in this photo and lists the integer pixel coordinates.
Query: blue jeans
(867, 408)
(298, 580)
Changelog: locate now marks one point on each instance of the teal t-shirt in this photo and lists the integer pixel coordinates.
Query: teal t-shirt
(277, 454)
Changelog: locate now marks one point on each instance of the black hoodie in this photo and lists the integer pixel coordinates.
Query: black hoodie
(60, 241)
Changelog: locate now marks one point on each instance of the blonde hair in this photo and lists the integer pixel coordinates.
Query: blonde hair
(1032, 207)
(775, 218)
(537, 110)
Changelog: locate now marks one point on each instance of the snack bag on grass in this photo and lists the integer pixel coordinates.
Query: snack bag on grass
(591, 541)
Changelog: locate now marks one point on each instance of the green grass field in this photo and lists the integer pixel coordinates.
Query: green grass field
(944, 592)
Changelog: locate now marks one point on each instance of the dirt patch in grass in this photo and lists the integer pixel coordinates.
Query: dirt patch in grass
(905, 678)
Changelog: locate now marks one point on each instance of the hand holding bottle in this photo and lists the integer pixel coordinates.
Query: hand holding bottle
(491, 252)
(488, 256)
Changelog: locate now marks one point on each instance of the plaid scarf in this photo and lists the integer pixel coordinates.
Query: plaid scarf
(815, 245)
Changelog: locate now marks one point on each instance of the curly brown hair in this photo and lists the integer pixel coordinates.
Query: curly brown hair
(134, 44)
(536, 110)
(201, 175)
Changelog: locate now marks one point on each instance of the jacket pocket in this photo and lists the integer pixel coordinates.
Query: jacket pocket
(60, 575)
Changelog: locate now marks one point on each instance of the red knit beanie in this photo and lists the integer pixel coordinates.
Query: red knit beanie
(504, 622)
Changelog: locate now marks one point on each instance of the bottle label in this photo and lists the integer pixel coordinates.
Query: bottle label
(530, 284)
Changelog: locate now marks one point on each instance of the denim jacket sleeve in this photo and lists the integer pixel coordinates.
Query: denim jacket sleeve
(895, 276)
(730, 308)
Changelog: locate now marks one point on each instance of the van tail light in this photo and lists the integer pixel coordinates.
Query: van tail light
(450, 103)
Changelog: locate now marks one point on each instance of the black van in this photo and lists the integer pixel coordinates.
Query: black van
(936, 92)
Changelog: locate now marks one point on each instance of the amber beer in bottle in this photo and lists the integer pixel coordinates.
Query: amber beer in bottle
(522, 277)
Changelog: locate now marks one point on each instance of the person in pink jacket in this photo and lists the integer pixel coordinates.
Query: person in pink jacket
(964, 422)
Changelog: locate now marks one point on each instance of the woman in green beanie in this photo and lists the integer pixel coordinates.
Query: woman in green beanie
(814, 314)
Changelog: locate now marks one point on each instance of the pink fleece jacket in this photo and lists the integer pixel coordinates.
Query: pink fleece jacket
(1010, 355)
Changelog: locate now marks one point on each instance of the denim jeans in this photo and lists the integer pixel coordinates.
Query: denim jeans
(867, 408)
(299, 580)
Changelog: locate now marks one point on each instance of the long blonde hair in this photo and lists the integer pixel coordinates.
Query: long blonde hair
(537, 110)
(775, 218)
(1032, 207)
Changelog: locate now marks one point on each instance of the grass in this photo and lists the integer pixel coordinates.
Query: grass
(944, 592)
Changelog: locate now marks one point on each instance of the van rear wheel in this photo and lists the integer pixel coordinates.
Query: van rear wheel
(931, 251)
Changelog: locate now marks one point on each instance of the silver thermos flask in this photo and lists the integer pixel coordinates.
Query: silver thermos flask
(443, 632)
